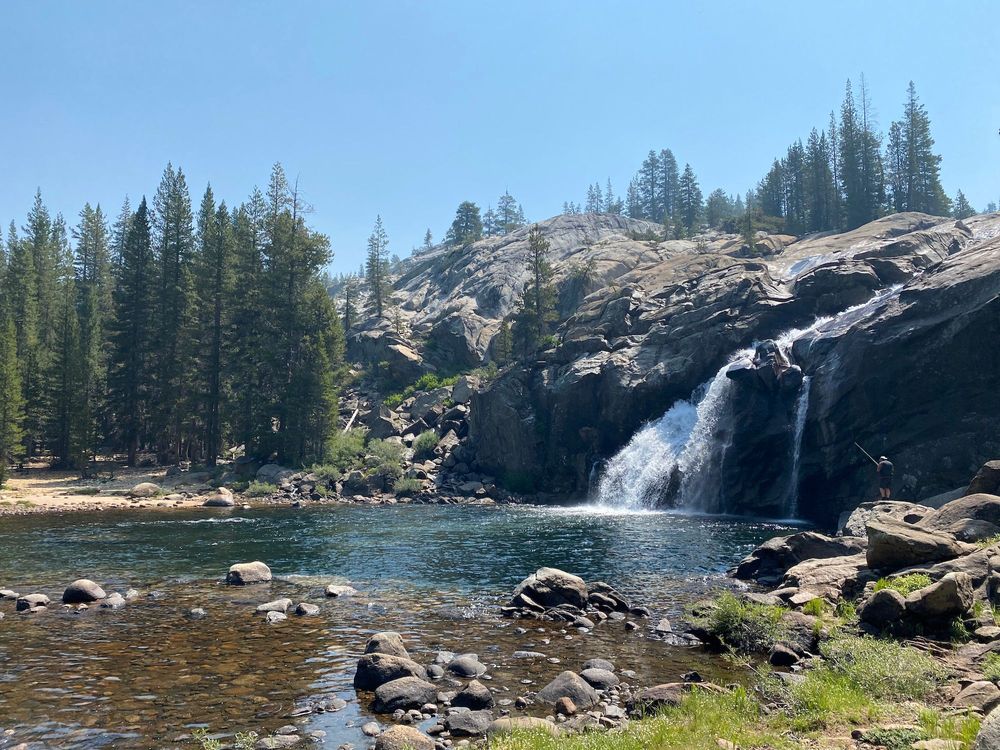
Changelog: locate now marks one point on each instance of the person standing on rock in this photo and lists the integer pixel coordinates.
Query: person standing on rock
(884, 470)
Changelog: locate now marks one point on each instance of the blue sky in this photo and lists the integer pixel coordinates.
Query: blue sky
(407, 108)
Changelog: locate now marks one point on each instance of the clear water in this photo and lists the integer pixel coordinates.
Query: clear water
(145, 675)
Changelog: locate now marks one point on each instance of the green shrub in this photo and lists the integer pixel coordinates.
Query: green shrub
(815, 607)
(344, 449)
(962, 728)
(989, 541)
(991, 667)
(425, 443)
(744, 626)
(260, 489)
(905, 585)
(384, 459)
(407, 487)
(88, 491)
(326, 472)
(957, 632)
(893, 738)
(826, 697)
(846, 610)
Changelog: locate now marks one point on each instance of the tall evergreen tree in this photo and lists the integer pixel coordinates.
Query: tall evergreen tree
(510, 215)
(961, 208)
(923, 167)
(648, 184)
(669, 187)
(377, 268)
(133, 342)
(11, 402)
(821, 189)
(428, 240)
(467, 226)
(533, 322)
(689, 201)
(173, 242)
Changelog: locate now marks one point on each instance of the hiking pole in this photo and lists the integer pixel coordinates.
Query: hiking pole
(867, 454)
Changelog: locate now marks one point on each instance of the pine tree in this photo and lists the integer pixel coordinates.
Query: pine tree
(650, 193)
(961, 208)
(428, 239)
(669, 186)
(132, 367)
(173, 242)
(594, 199)
(467, 226)
(923, 167)
(718, 207)
(821, 187)
(377, 268)
(119, 232)
(633, 200)
(490, 222)
(537, 314)
(509, 214)
(896, 168)
(689, 201)
(796, 219)
(350, 295)
(68, 430)
(11, 402)
(502, 345)
(249, 360)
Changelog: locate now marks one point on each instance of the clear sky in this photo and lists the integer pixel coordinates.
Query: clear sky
(407, 108)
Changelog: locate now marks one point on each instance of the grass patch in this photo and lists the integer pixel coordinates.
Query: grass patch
(407, 487)
(744, 626)
(962, 728)
(426, 382)
(260, 489)
(991, 667)
(90, 491)
(883, 668)
(988, 541)
(25, 503)
(815, 607)
(424, 444)
(905, 585)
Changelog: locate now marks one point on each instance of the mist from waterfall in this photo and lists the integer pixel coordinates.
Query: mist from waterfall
(677, 458)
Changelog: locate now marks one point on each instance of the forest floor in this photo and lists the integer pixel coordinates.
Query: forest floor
(39, 489)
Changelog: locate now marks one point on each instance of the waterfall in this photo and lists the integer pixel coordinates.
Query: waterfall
(676, 459)
(801, 412)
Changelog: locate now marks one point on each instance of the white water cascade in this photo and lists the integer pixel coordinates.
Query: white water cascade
(677, 456)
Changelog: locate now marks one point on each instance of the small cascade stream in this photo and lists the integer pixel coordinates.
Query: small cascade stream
(676, 459)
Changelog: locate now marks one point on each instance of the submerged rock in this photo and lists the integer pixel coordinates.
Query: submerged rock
(468, 723)
(387, 642)
(550, 587)
(336, 590)
(474, 696)
(243, 574)
(31, 602)
(278, 605)
(82, 591)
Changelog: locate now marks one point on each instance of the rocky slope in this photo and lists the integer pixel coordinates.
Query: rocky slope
(646, 322)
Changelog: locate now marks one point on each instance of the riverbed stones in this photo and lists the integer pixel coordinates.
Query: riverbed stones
(468, 723)
(989, 732)
(895, 544)
(144, 490)
(599, 664)
(600, 679)
(509, 724)
(278, 742)
(466, 665)
(474, 696)
(113, 601)
(278, 605)
(376, 669)
(403, 694)
(245, 574)
(8, 594)
(551, 587)
(337, 590)
(82, 591)
(569, 685)
(565, 706)
(403, 738)
(273, 618)
(304, 609)
(31, 602)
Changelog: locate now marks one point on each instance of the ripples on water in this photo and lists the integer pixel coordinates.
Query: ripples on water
(146, 674)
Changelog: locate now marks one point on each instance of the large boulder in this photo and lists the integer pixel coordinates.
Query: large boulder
(550, 587)
(987, 479)
(978, 507)
(474, 696)
(894, 544)
(144, 490)
(771, 560)
(401, 737)
(510, 724)
(569, 685)
(376, 669)
(883, 609)
(940, 602)
(989, 732)
(855, 522)
(243, 574)
(404, 693)
(222, 497)
(82, 591)
(274, 474)
(468, 723)
(829, 577)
